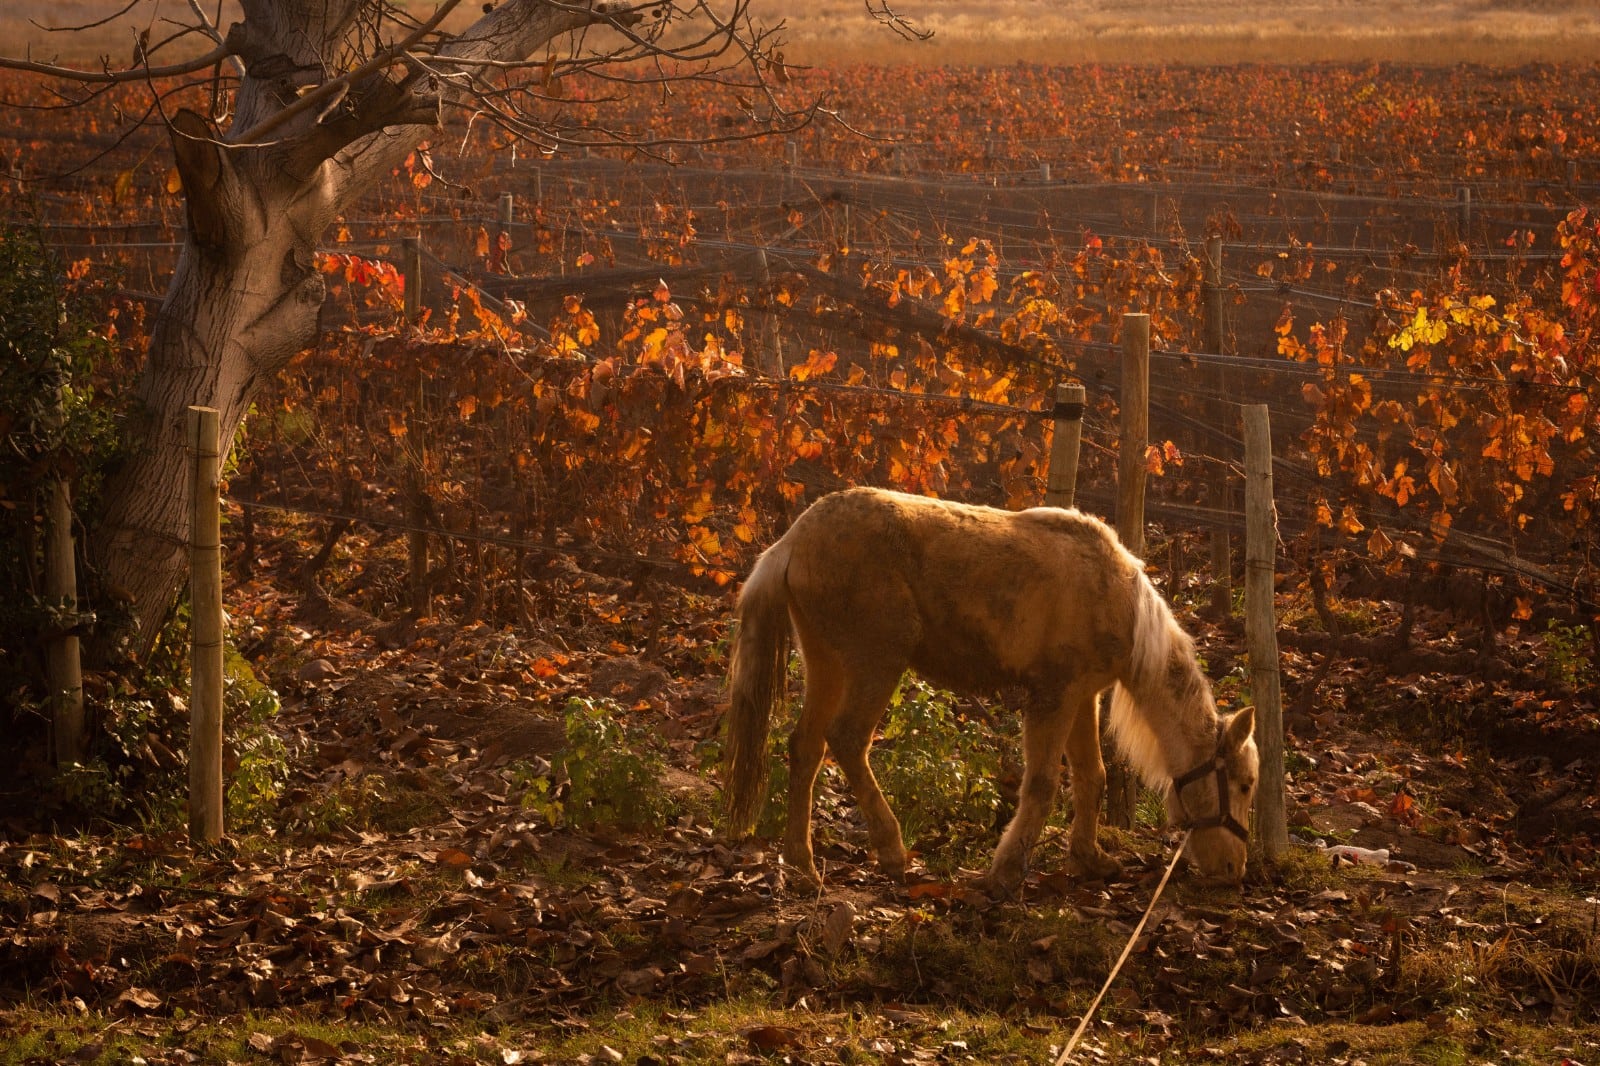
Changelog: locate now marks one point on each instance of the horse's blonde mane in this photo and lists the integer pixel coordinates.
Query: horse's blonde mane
(1162, 681)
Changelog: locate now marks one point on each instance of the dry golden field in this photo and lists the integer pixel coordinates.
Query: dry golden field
(1065, 31)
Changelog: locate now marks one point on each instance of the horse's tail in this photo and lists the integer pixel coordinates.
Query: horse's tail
(1140, 689)
(760, 661)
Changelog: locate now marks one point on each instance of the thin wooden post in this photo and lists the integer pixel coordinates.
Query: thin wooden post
(1464, 208)
(1062, 485)
(1261, 630)
(1122, 787)
(538, 185)
(205, 653)
(1222, 553)
(1211, 296)
(411, 267)
(501, 253)
(1572, 172)
(770, 359)
(63, 663)
(1135, 430)
(1044, 171)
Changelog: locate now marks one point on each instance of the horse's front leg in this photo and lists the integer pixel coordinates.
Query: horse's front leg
(1085, 857)
(1044, 735)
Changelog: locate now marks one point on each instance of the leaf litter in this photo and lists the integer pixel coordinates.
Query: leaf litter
(450, 898)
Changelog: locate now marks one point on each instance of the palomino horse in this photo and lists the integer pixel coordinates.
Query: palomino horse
(977, 599)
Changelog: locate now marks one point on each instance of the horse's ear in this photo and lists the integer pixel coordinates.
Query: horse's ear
(1240, 727)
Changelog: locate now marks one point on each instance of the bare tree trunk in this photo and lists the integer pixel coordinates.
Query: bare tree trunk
(304, 143)
(220, 333)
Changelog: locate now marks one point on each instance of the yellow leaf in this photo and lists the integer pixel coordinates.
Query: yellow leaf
(174, 182)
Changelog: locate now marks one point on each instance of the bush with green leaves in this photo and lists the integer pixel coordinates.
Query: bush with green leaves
(258, 761)
(1568, 656)
(939, 768)
(57, 427)
(613, 769)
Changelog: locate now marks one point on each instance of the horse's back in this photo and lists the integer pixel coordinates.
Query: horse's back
(974, 597)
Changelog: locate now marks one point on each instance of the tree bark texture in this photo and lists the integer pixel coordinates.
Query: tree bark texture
(244, 297)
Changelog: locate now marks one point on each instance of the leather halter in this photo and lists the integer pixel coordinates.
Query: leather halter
(1224, 818)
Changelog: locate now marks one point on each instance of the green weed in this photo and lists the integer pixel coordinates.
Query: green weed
(612, 768)
(1568, 656)
(939, 768)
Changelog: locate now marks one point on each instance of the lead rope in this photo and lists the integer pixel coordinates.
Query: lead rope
(1089, 1014)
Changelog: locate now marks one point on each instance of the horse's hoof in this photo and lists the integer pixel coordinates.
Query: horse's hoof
(1096, 867)
(1000, 886)
(894, 870)
(801, 882)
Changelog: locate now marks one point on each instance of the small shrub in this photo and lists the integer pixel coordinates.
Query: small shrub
(1567, 654)
(613, 771)
(939, 768)
(258, 766)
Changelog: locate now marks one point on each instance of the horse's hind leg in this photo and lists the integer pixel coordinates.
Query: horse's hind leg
(825, 683)
(850, 737)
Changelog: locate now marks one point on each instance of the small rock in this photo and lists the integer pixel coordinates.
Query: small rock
(317, 670)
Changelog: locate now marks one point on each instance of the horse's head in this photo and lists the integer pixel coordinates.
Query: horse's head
(1213, 800)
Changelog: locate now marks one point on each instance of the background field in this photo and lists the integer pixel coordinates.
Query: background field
(840, 31)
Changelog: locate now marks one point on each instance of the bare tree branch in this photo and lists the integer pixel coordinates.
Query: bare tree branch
(118, 77)
(320, 96)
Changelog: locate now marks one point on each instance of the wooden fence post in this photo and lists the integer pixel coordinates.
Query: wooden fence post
(1261, 630)
(1211, 296)
(205, 652)
(1061, 487)
(63, 664)
(411, 267)
(770, 359)
(1464, 208)
(1122, 787)
(508, 216)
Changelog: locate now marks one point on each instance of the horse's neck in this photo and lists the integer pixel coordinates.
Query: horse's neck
(1189, 734)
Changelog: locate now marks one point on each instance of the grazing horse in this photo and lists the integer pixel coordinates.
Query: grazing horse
(872, 582)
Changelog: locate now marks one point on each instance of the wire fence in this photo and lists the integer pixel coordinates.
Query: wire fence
(900, 220)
